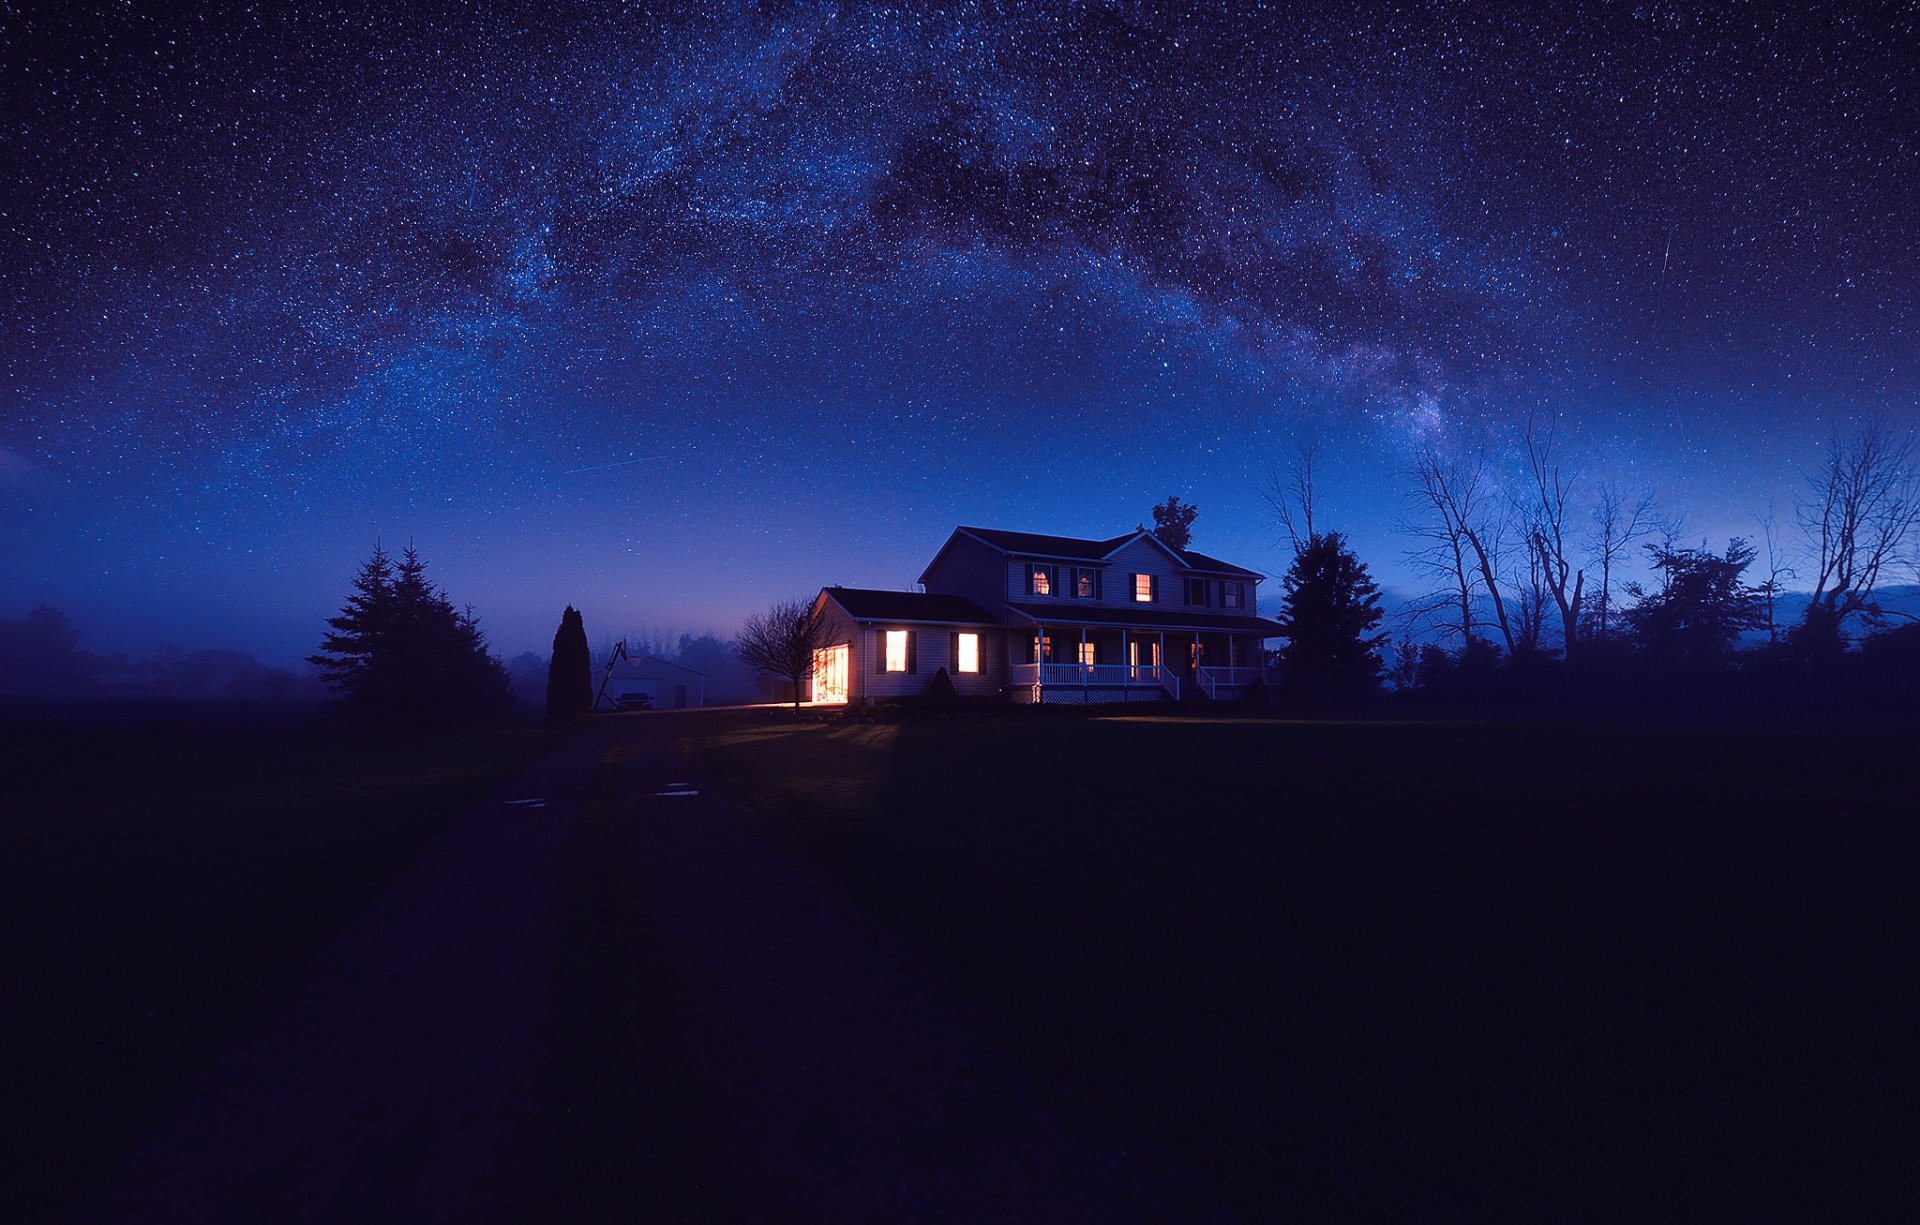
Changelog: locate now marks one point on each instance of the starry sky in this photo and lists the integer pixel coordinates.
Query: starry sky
(668, 311)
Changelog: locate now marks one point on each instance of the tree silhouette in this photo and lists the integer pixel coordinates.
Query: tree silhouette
(570, 670)
(781, 641)
(400, 652)
(1328, 612)
(1173, 523)
(1701, 607)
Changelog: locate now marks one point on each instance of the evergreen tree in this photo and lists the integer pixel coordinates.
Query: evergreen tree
(570, 671)
(1329, 609)
(399, 650)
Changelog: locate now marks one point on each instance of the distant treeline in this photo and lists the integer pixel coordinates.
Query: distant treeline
(40, 656)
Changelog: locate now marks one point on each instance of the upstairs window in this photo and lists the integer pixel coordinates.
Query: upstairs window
(1197, 592)
(1232, 595)
(1086, 583)
(1041, 580)
(1146, 589)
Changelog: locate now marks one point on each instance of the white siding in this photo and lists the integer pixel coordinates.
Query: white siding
(971, 569)
(932, 649)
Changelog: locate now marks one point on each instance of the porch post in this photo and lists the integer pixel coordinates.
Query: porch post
(1039, 664)
(1085, 672)
(1126, 661)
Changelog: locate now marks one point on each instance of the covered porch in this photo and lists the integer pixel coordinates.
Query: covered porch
(1084, 661)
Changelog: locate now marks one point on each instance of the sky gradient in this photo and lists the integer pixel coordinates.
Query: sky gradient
(670, 311)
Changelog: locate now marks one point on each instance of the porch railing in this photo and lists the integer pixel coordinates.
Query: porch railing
(1096, 676)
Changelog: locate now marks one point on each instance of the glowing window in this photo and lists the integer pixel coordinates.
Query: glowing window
(896, 651)
(1083, 584)
(1143, 589)
(1086, 653)
(967, 657)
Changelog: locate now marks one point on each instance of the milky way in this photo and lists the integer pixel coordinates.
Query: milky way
(668, 313)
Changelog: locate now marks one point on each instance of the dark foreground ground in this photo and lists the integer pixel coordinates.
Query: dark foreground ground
(990, 968)
(1408, 971)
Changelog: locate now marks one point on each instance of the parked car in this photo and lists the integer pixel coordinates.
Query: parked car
(635, 701)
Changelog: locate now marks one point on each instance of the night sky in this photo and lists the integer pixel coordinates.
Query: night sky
(668, 312)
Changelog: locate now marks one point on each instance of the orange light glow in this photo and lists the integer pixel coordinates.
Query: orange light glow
(830, 674)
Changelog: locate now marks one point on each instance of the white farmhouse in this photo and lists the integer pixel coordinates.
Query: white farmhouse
(1049, 619)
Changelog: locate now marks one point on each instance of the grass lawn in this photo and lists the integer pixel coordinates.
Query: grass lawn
(158, 878)
(1434, 971)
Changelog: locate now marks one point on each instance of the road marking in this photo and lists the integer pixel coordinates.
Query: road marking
(688, 791)
(526, 803)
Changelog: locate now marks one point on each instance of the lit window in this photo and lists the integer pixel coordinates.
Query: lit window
(1086, 653)
(1143, 589)
(967, 658)
(1043, 649)
(1042, 583)
(896, 651)
(1083, 584)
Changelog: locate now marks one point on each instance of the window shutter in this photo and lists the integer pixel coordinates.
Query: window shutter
(953, 653)
(1153, 588)
(912, 637)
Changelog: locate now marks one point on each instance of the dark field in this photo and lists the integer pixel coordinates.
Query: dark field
(1406, 971)
(158, 878)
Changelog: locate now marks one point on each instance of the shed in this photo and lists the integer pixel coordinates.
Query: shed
(666, 685)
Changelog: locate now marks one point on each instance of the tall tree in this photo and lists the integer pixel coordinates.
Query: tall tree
(1550, 544)
(570, 670)
(1173, 522)
(1701, 606)
(1328, 611)
(1618, 522)
(1290, 495)
(1861, 518)
(401, 652)
(781, 642)
(1469, 531)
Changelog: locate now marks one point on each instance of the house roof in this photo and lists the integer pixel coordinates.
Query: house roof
(1146, 618)
(1036, 544)
(863, 604)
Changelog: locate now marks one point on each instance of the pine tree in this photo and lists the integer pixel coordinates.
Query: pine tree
(1329, 609)
(570, 672)
(359, 634)
(399, 650)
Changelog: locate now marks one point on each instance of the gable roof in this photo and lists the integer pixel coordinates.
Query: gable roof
(865, 604)
(1035, 544)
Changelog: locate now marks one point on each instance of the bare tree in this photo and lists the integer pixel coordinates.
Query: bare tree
(1859, 519)
(1290, 496)
(1544, 516)
(781, 642)
(1777, 572)
(1618, 522)
(1468, 530)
